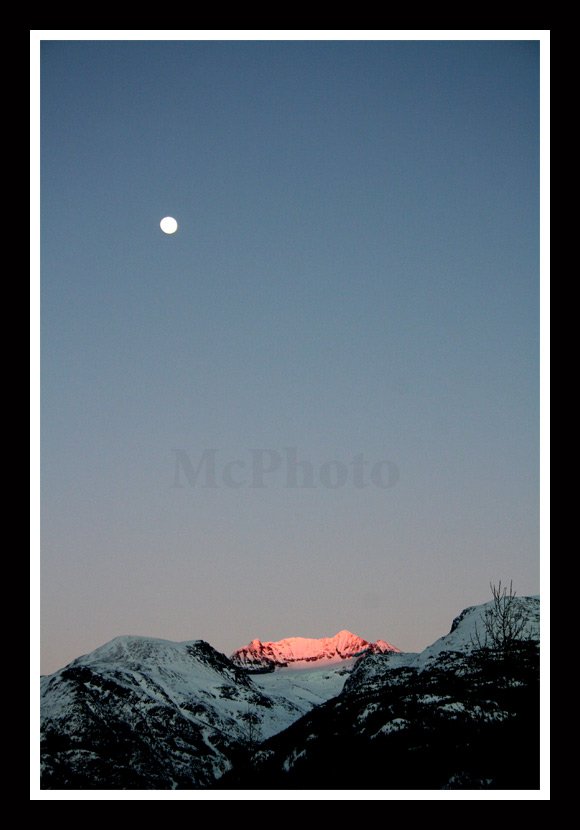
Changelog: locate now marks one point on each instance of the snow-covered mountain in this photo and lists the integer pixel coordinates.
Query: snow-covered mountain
(142, 713)
(461, 640)
(295, 651)
(470, 624)
(454, 716)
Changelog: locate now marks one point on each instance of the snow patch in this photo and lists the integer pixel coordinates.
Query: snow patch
(394, 725)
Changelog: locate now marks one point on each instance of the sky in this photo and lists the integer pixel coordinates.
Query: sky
(315, 406)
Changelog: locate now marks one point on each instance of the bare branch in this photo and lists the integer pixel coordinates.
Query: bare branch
(504, 621)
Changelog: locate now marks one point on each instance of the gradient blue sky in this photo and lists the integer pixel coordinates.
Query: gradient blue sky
(356, 271)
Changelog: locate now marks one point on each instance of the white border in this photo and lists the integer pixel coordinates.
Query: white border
(289, 795)
(290, 34)
(34, 413)
(38, 35)
(545, 408)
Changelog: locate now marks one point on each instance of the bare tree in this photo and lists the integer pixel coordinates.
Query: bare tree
(504, 622)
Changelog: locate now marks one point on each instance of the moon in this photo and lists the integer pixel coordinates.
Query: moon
(168, 224)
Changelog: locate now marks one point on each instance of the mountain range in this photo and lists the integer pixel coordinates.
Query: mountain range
(144, 713)
(297, 651)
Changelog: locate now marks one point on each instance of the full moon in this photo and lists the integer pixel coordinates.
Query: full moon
(168, 224)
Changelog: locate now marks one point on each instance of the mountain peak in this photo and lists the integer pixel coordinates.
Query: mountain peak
(300, 650)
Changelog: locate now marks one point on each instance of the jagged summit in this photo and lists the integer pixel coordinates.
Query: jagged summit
(297, 650)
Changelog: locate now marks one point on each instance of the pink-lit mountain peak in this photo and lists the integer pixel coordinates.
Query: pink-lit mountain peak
(296, 650)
